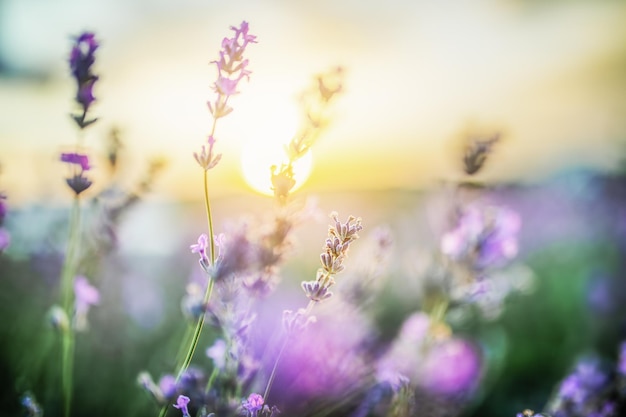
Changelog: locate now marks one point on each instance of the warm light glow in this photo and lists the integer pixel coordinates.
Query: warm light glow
(258, 156)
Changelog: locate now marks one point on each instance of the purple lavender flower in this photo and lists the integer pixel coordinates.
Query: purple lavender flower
(181, 404)
(82, 57)
(206, 158)
(167, 385)
(253, 404)
(584, 391)
(201, 249)
(78, 182)
(452, 366)
(76, 159)
(231, 68)
(621, 364)
(217, 352)
(483, 237)
(86, 296)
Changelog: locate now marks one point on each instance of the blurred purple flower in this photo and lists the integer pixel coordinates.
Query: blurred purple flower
(253, 404)
(5, 239)
(77, 182)
(181, 403)
(85, 296)
(452, 366)
(167, 385)
(327, 358)
(82, 57)
(483, 237)
(74, 158)
(201, 249)
(217, 352)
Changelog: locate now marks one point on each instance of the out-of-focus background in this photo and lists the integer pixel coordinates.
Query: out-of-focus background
(420, 77)
(548, 74)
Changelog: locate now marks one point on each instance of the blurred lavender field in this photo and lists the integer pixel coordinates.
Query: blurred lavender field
(572, 242)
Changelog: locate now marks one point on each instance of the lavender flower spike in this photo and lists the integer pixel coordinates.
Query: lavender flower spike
(253, 404)
(82, 57)
(181, 404)
(78, 182)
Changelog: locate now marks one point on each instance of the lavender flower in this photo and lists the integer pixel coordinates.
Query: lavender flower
(82, 57)
(79, 164)
(451, 366)
(483, 237)
(253, 404)
(231, 68)
(476, 153)
(86, 296)
(167, 385)
(340, 236)
(201, 249)
(206, 159)
(217, 352)
(585, 392)
(181, 404)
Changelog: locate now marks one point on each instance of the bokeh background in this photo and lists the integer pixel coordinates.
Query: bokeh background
(420, 76)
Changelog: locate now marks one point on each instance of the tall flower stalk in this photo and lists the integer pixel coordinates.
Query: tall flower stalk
(335, 250)
(232, 68)
(82, 57)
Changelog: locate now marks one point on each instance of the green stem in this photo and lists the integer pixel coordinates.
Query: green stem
(67, 283)
(209, 217)
(207, 295)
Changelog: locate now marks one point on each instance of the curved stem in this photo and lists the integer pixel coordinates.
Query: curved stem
(67, 282)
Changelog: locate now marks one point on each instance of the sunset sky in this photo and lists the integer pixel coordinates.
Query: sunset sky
(549, 75)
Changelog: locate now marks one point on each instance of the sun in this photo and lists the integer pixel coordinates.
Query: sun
(266, 148)
(258, 157)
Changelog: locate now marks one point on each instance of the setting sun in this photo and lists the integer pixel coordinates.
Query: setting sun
(258, 157)
(266, 142)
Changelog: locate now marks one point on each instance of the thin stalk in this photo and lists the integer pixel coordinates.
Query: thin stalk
(67, 281)
(207, 295)
(270, 381)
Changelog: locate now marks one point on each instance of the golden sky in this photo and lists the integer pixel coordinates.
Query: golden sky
(549, 75)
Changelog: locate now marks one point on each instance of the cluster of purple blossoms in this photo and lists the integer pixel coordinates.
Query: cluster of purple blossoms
(5, 238)
(231, 68)
(340, 236)
(79, 165)
(253, 404)
(483, 237)
(81, 60)
(593, 389)
(181, 403)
